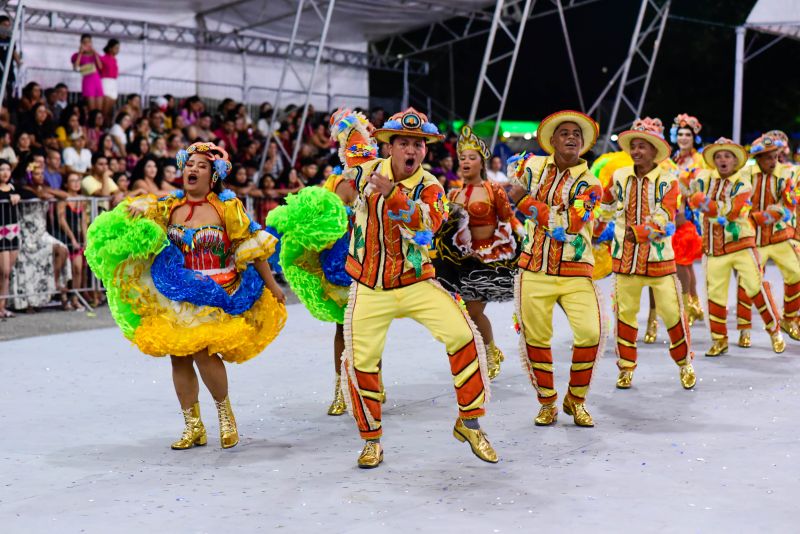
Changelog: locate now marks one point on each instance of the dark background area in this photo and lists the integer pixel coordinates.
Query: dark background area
(693, 72)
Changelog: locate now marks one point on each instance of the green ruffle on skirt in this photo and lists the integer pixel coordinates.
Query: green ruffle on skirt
(311, 221)
(114, 238)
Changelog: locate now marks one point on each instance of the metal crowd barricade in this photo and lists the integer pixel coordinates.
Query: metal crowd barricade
(40, 228)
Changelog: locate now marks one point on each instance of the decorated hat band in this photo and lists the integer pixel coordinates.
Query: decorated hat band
(408, 123)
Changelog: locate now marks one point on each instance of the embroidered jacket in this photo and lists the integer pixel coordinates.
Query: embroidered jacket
(391, 237)
(773, 205)
(642, 212)
(724, 204)
(559, 209)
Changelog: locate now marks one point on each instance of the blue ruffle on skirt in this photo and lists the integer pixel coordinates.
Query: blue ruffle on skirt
(333, 260)
(180, 284)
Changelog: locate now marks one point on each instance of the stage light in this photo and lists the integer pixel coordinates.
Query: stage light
(506, 134)
(614, 137)
(527, 136)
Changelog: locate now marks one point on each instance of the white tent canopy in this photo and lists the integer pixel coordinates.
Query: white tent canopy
(778, 17)
(163, 67)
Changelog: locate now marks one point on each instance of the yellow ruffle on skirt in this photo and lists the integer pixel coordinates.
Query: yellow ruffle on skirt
(181, 329)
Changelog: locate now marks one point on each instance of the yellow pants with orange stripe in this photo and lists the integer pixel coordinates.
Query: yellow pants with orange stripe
(537, 295)
(369, 314)
(787, 258)
(748, 269)
(669, 306)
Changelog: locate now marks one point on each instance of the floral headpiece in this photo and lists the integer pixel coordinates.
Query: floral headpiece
(467, 140)
(684, 120)
(651, 126)
(216, 155)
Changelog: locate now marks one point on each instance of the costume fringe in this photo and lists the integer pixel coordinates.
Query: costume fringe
(523, 346)
(348, 373)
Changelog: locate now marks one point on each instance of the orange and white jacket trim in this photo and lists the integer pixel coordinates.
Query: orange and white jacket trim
(389, 246)
(726, 224)
(557, 203)
(772, 203)
(643, 213)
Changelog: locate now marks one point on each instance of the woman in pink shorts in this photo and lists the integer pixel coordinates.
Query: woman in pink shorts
(88, 63)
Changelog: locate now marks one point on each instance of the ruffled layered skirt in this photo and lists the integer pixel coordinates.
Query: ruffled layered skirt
(167, 309)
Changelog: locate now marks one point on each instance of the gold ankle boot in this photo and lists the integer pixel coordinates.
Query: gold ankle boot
(371, 456)
(338, 406)
(744, 338)
(194, 433)
(696, 309)
(720, 346)
(652, 328)
(493, 358)
(688, 378)
(778, 343)
(578, 412)
(228, 434)
(548, 414)
(477, 440)
(687, 308)
(624, 379)
(790, 327)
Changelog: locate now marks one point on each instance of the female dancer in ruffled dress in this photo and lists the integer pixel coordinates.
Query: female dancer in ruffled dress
(477, 247)
(187, 276)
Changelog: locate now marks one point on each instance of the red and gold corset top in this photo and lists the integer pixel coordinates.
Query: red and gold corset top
(206, 249)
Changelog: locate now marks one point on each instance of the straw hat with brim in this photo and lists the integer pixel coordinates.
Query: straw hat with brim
(408, 123)
(662, 147)
(725, 144)
(549, 124)
(766, 144)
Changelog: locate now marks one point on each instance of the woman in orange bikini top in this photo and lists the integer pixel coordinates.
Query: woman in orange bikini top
(478, 248)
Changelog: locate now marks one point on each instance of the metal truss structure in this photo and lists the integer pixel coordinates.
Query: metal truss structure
(306, 82)
(632, 79)
(203, 38)
(743, 55)
(505, 26)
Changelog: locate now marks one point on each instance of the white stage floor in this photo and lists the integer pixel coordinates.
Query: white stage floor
(88, 422)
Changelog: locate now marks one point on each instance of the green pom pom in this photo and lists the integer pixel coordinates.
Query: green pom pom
(112, 239)
(311, 221)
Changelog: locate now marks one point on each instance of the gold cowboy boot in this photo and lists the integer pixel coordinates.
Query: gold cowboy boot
(548, 414)
(624, 379)
(338, 406)
(194, 433)
(652, 328)
(697, 310)
(228, 434)
(744, 338)
(578, 412)
(790, 327)
(778, 343)
(720, 346)
(687, 308)
(371, 456)
(493, 358)
(478, 441)
(688, 378)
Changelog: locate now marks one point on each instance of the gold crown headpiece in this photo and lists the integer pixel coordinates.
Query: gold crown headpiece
(467, 140)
